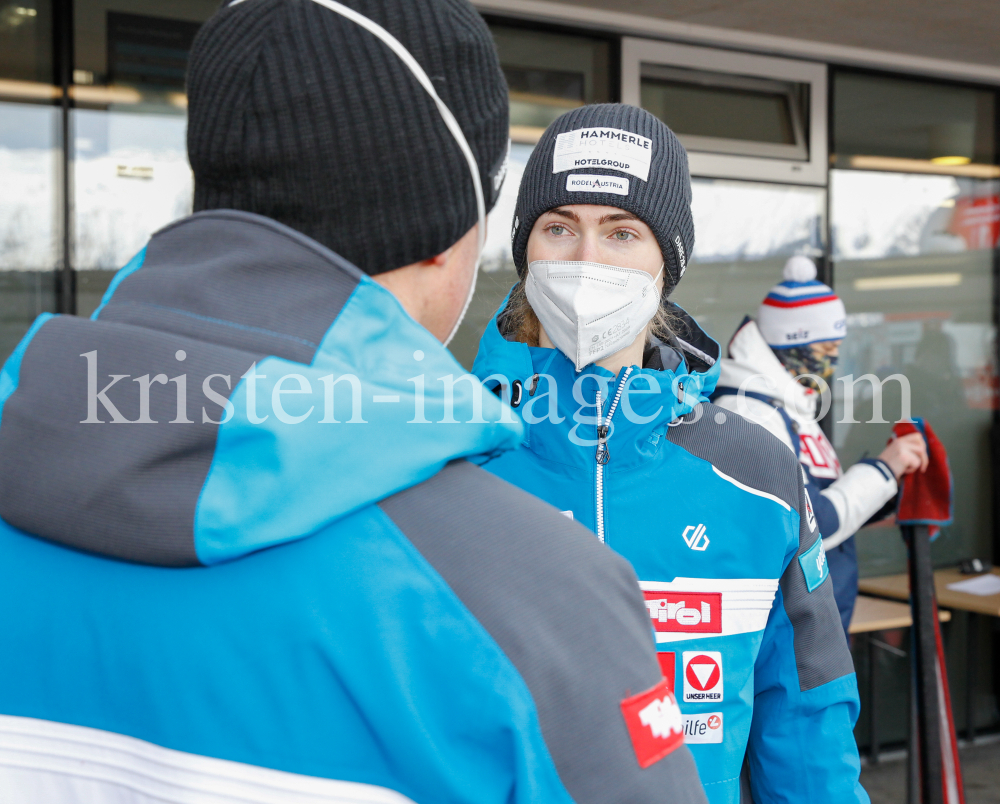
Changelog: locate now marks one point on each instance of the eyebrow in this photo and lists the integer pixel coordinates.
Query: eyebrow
(615, 216)
(618, 216)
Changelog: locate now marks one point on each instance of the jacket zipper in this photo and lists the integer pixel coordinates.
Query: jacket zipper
(603, 455)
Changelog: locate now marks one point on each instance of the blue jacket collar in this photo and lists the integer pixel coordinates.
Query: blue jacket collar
(557, 403)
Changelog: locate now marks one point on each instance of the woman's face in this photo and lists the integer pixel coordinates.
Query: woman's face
(588, 233)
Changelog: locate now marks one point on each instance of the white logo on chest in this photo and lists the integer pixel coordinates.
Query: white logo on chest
(695, 537)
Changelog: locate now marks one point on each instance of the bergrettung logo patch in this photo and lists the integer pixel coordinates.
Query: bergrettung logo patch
(580, 183)
(607, 148)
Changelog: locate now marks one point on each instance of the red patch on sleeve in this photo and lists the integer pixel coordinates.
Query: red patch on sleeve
(654, 723)
(668, 668)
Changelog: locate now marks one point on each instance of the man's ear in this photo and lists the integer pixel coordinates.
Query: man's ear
(441, 259)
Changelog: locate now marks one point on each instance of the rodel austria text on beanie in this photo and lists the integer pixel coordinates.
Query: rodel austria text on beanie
(303, 116)
(801, 310)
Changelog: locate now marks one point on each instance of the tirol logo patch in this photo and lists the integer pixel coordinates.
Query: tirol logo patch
(581, 183)
(654, 723)
(814, 566)
(680, 253)
(685, 612)
(607, 148)
(702, 676)
(703, 728)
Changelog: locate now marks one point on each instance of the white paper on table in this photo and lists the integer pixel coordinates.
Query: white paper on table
(988, 584)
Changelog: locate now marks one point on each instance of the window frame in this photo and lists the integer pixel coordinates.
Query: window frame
(767, 164)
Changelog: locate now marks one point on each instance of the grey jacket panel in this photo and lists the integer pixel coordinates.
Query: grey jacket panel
(226, 288)
(741, 449)
(239, 280)
(821, 652)
(127, 490)
(565, 610)
(750, 454)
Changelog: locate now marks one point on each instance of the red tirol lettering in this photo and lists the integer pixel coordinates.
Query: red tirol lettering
(685, 612)
(654, 723)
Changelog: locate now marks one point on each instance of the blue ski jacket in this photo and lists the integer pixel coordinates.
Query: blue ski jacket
(242, 559)
(711, 511)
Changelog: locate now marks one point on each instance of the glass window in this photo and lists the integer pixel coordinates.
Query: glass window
(29, 169)
(739, 115)
(130, 170)
(547, 74)
(725, 113)
(744, 232)
(914, 265)
(915, 216)
(26, 41)
(940, 125)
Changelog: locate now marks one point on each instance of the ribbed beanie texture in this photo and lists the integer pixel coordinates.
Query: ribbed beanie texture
(301, 115)
(566, 170)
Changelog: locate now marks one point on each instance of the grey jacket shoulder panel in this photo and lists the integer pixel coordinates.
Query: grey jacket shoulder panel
(238, 280)
(227, 289)
(821, 652)
(123, 490)
(565, 610)
(741, 449)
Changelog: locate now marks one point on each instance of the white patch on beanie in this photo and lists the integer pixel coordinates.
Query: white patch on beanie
(601, 147)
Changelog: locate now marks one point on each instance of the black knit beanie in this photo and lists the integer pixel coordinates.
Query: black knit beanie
(304, 116)
(612, 155)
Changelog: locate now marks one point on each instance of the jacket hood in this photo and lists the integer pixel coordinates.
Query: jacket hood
(752, 365)
(240, 386)
(557, 402)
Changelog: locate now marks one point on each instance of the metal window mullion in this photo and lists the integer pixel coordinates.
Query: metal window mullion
(62, 53)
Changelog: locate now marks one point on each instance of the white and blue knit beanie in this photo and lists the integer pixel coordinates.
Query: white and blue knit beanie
(801, 309)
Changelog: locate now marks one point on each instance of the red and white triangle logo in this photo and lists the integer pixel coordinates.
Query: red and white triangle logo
(702, 676)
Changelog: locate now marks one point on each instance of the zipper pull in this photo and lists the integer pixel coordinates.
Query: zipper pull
(602, 455)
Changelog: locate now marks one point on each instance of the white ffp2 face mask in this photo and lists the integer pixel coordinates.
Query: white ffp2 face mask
(590, 310)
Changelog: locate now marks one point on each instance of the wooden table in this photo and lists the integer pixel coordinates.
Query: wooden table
(898, 588)
(871, 615)
(874, 614)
